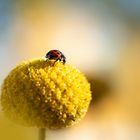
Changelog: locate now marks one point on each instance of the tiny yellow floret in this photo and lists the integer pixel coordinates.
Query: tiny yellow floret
(43, 94)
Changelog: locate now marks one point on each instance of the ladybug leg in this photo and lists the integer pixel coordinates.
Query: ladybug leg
(56, 60)
(64, 61)
(60, 59)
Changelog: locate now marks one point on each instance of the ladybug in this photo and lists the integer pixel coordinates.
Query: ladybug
(56, 55)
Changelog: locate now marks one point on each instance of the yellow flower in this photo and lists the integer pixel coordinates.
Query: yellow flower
(38, 93)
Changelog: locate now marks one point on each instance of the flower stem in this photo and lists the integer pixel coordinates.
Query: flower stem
(42, 133)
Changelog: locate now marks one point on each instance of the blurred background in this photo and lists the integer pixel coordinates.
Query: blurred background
(101, 38)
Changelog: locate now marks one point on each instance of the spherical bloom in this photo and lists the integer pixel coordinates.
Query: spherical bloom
(43, 94)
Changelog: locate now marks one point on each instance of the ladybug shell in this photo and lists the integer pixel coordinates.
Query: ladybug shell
(53, 54)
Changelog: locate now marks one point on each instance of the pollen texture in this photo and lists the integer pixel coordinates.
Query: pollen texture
(43, 94)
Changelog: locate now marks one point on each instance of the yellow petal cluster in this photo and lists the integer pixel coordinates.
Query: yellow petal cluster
(43, 94)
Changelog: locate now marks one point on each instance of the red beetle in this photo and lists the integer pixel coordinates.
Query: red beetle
(56, 55)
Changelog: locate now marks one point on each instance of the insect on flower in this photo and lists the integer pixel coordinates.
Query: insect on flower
(56, 55)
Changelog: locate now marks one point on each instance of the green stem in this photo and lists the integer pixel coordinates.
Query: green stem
(42, 133)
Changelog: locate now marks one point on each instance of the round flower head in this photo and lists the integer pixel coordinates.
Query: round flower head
(43, 94)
